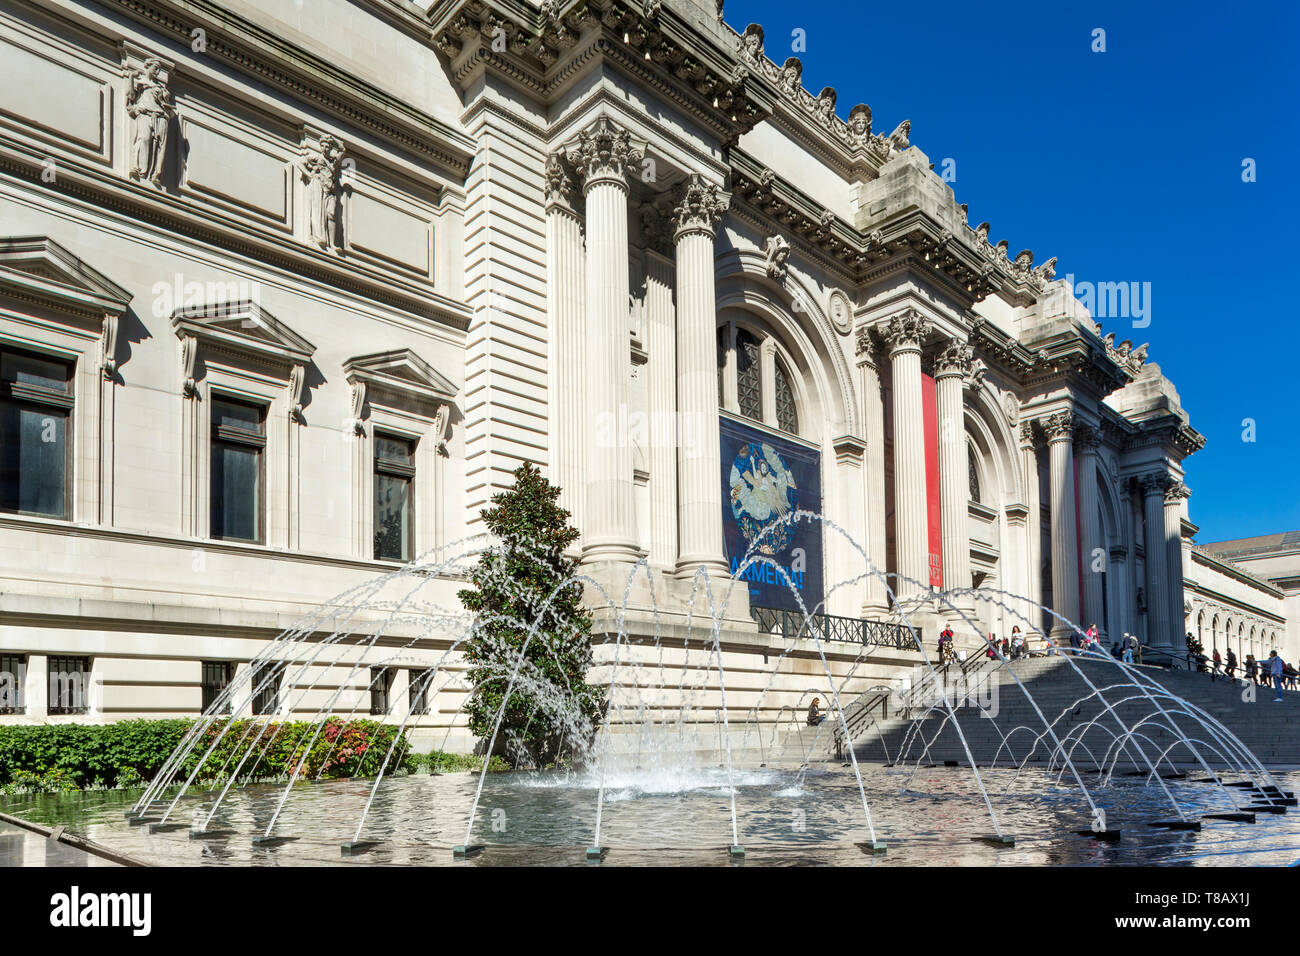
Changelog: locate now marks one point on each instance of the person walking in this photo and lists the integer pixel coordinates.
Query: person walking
(1217, 669)
(1129, 642)
(1231, 667)
(1252, 669)
(1275, 665)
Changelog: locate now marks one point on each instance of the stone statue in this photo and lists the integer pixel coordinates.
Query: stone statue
(777, 250)
(319, 167)
(791, 76)
(860, 123)
(898, 138)
(824, 106)
(149, 104)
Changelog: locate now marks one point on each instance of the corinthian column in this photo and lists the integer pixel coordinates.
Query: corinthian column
(874, 604)
(1065, 556)
(951, 370)
(1157, 558)
(1174, 496)
(904, 334)
(699, 466)
(1086, 440)
(565, 282)
(602, 158)
(1033, 524)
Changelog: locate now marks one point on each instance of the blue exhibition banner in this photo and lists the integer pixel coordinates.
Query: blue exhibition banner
(765, 480)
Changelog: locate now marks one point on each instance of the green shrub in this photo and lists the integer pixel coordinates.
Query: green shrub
(56, 757)
(439, 762)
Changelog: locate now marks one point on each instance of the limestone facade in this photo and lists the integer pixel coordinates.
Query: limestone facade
(583, 234)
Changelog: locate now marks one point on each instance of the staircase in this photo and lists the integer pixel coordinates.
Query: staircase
(1001, 726)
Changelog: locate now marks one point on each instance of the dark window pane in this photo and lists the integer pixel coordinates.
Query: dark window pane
(392, 518)
(217, 676)
(393, 450)
(266, 688)
(787, 418)
(749, 376)
(418, 691)
(29, 370)
(33, 459)
(13, 683)
(69, 685)
(381, 681)
(236, 492)
(238, 415)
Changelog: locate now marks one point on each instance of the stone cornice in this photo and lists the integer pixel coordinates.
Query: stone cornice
(258, 53)
(1201, 556)
(540, 50)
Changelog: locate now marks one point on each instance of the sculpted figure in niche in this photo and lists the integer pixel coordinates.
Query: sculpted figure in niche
(319, 167)
(149, 104)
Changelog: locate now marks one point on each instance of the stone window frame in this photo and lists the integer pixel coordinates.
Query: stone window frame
(55, 305)
(399, 394)
(241, 352)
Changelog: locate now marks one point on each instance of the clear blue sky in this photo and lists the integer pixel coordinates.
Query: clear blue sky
(1126, 165)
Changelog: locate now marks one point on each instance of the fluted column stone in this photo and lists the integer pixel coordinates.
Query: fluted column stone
(699, 466)
(875, 602)
(952, 369)
(1065, 556)
(602, 158)
(904, 335)
(1153, 487)
(1086, 440)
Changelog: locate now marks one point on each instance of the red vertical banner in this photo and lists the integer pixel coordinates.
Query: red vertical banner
(933, 508)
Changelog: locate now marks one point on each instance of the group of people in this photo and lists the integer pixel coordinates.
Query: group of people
(1272, 670)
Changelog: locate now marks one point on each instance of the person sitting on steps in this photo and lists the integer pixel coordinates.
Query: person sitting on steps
(815, 715)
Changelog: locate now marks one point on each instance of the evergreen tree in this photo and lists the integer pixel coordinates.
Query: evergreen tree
(551, 709)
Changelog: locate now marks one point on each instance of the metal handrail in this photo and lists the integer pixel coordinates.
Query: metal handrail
(832, 627)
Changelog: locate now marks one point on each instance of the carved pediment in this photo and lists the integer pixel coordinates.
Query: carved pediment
(37, 268)
(243, 327)
(400, 377)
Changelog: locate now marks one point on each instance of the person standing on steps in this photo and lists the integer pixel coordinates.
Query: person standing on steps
(946, 654)
(1275, 666)
(1252, 669)
(1017, 643)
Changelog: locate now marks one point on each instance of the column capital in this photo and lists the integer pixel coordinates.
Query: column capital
(866, 347)
(699, 208)
(558, 185)
(1176, 492)
(1154, 484)
(905, 331)
(1028, 434)
(1058, 426)
(603, 154)
(955, 360)
(1086, 439)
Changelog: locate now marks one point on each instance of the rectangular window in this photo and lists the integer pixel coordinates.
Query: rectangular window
(381, 682)
(35, 419)
(266, 688)
(217, 676)
(418, 692)
(394, 478)
(238, 444)
(13, 684)
(69, 685)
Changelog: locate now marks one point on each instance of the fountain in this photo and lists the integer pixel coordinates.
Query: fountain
(719, 789)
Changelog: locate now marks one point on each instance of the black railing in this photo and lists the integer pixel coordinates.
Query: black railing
(831, 627)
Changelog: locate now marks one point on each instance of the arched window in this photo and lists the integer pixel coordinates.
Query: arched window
(749, 376)
(755, 378)
(787, 419)
(972, 465)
